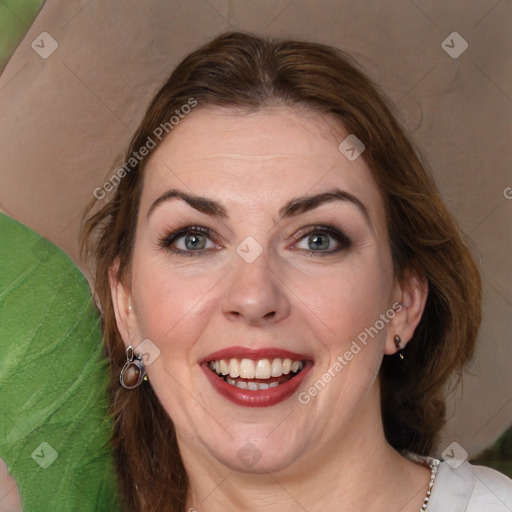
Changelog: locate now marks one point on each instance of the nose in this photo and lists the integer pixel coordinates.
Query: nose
(255, 294)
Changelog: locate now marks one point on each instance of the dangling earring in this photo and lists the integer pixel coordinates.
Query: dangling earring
(397, 341)
(133, 372)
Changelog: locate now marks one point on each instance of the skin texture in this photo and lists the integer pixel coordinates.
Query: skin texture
(331, 453)
(10, 500)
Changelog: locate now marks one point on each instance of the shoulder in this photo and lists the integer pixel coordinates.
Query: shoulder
(470, 488)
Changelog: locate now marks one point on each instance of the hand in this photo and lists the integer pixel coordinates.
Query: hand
(10, 500)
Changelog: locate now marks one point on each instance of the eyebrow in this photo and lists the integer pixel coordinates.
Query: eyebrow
(294, 207)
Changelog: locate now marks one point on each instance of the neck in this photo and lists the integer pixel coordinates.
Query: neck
(356, 470)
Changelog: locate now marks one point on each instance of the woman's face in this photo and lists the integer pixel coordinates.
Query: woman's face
(256, 267)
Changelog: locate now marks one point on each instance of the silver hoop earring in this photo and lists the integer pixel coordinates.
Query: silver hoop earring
(133, 372)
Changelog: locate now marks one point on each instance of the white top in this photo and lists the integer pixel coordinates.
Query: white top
(470, 488)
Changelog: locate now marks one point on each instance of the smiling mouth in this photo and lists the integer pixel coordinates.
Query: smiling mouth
(256, 374)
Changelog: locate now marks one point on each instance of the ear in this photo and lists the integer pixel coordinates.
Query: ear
(410, 296)
(122, 303)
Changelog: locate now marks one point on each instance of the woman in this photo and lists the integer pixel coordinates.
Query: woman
(284, 295)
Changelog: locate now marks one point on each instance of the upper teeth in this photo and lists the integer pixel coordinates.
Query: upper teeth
(259, 369)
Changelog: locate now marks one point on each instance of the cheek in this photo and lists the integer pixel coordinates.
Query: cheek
(347, 300)
(344, 309)
(170, 307)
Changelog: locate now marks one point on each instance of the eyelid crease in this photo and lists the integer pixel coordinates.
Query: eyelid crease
(186, 230)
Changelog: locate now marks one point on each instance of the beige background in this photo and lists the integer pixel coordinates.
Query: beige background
(64, 120)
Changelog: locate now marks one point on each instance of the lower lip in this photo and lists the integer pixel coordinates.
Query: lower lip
(261, 397)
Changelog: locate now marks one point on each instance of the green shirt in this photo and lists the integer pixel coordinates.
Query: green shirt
(54, 426)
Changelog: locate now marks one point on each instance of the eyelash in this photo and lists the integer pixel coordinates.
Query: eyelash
(167, 241)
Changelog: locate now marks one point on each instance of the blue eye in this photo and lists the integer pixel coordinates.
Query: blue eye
(194, 240)
(321, 239)
(190, 241)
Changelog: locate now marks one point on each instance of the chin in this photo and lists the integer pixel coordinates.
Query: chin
(257, 460)
(255, 451)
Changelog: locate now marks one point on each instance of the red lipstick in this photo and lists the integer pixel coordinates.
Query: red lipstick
(260, 397)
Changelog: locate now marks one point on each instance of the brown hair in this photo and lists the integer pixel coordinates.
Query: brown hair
(246, 73)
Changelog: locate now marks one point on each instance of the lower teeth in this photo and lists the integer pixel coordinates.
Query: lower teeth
(251, 385)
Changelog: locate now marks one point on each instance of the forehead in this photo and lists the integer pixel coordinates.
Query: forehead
(260, 133)
(277, 152)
